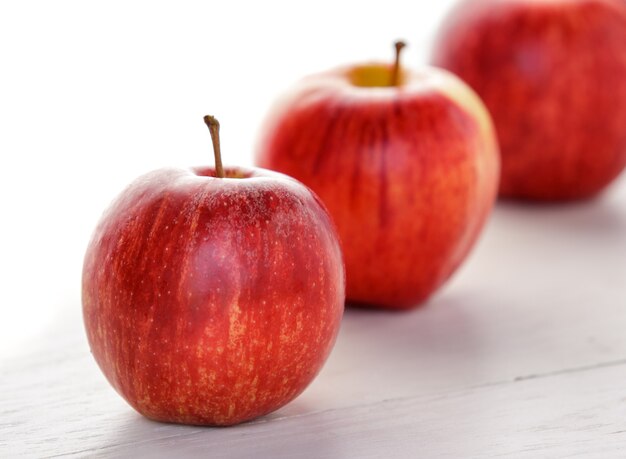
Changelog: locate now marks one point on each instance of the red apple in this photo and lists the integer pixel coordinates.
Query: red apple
(212, 300)
(406, 163)
(553, 75)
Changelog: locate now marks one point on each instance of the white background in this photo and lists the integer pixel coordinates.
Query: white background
(93, 94)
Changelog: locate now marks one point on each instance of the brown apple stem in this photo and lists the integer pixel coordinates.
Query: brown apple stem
(395, 73)
(214, 129)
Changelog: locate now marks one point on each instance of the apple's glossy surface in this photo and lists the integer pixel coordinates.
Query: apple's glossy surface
(409, 172)
(212, 300)
(553, 75)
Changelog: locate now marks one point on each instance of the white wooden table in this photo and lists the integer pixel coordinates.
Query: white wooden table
(523, 354)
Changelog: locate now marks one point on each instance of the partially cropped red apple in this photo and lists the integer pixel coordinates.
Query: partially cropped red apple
(212, 296)
(407, 164)
(553, 75)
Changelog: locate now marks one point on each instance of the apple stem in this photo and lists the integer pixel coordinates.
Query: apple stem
(395, 73)
(214, 129)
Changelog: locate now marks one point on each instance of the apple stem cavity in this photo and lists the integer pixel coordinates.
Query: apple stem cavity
(395, 72)
(214, 129)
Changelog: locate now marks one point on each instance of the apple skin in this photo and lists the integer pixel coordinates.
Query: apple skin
(212, 301)
(553, 75)
(409, 173)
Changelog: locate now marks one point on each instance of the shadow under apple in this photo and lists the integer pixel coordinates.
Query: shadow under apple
(136, 436)
(397, 354)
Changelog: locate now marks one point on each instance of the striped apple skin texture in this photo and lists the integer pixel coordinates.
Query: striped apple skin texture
(212, 301)
(553, 76)
(408, 174)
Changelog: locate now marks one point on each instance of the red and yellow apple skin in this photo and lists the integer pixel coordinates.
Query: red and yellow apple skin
(212, 301)
(409, 173)
(553, 75)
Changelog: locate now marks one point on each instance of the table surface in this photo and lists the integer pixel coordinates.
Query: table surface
(522, 354)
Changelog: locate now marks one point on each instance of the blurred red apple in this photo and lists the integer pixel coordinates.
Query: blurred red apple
(212, 300)
(406, 163)
(553, 75)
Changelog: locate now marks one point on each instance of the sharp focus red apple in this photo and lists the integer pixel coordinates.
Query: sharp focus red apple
(212, 300)
(553, 75)
(407, 164)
